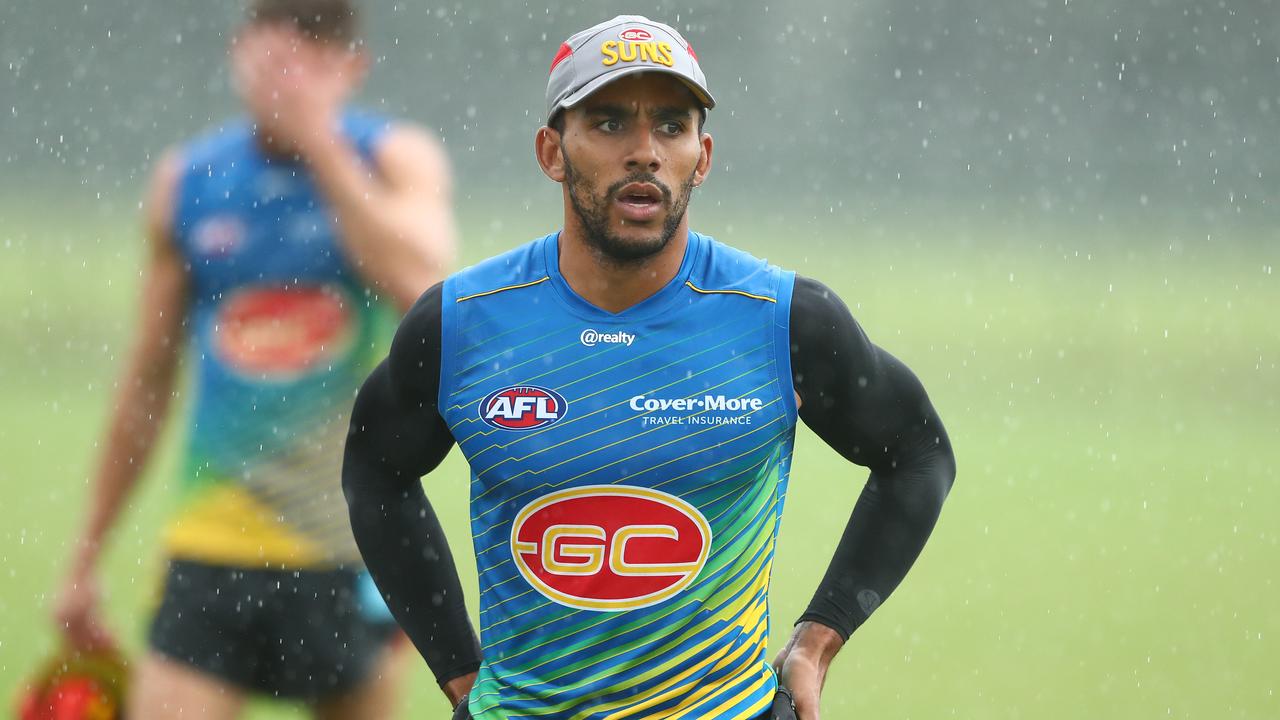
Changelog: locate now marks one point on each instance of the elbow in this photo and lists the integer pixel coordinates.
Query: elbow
(351, 485)
(947, 470)
(925, 482)
(943, 473)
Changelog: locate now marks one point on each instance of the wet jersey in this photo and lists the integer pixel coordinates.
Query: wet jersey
(282, 334)
(628, 477)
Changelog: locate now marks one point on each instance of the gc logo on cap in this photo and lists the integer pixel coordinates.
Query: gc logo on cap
(616, 48)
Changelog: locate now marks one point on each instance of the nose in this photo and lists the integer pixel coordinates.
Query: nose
(642, 155)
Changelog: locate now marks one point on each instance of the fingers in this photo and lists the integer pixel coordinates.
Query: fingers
(267, 61)
(783, 706)
(89, 636)
(806, 706)
(83, 631)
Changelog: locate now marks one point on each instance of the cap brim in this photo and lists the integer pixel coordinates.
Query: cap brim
(581, 94)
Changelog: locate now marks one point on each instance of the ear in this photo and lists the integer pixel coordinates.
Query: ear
(703, 167)
(547, 146)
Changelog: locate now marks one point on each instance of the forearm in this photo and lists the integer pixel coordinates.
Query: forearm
(816, 643)
(887, 530)
(405, 550)
(398, 248)
(140, 409)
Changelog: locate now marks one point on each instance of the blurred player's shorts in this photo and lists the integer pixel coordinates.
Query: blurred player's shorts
(75, 685)
(295, 634)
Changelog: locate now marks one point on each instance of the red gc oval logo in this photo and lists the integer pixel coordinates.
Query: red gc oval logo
(277, 334)
(636, 35)
(610, 547)
(523, 407)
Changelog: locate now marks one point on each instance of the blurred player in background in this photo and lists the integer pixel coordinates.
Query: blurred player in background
(626, 392)
(281, 247)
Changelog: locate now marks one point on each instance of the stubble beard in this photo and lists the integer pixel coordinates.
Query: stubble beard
(593, 214)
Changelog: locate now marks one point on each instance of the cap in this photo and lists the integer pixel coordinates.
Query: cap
(616, 48)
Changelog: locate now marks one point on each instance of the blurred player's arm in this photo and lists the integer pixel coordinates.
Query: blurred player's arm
(143, 392)
(869, 407)
(396, 437)
(396, 219)
(397, 222)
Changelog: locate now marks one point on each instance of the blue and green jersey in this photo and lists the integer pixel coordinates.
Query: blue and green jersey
(628, 478)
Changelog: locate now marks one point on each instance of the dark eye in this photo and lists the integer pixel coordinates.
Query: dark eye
(610, 126)
(672, 127)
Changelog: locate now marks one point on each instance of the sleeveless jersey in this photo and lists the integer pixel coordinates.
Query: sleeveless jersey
(628, 476)
(282, 332)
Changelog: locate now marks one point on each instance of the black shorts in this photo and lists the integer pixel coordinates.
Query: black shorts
(292, 634)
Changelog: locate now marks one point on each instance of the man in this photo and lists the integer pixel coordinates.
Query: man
(276, 244)
(626, 393)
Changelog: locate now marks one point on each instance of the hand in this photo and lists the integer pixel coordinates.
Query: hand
(77, 613)
(456, 689)
(293, 87)
(801, 666)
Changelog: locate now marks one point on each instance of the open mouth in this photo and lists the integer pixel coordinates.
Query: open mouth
(640, 195)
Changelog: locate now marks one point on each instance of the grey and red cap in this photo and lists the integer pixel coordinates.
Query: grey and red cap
(616, 48)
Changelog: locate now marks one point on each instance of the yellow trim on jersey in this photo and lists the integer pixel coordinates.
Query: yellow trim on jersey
(697, 289)
(503, 289)
(226, 525)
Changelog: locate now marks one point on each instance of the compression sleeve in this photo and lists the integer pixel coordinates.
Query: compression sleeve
(870, 408)
(396, 437)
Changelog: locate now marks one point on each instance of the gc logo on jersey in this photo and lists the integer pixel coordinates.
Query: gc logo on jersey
(610, 547)
(273, 334)
(523, 407)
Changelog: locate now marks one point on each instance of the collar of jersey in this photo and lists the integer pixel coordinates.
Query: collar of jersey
(650, 306)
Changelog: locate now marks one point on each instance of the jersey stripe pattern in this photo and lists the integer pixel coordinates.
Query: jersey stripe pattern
(282, 334)
(628, 477)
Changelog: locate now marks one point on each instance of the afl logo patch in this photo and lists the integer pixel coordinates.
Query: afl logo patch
(219, 236)
(610, 547)
(523, 407)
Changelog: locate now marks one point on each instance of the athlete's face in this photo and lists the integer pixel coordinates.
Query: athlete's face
(276, 69)
(629, 157)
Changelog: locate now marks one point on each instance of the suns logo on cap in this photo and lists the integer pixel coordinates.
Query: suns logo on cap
(636, 44)
(522, 407)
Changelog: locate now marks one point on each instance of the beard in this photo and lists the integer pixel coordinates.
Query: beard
(593, 209)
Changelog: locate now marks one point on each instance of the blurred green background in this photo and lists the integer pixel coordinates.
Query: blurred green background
(1064, 218)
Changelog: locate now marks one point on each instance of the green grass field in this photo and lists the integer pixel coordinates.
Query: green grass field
(1110, 548)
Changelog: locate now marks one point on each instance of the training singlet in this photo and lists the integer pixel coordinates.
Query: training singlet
(282, 334)
(628, 476)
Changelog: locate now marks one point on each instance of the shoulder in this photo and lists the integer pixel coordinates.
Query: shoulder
(813, 295)
(520, 267)
(159, 204)
(214, 146)
(422, 319)
(416, 345)
(818, 308)
(723, 268)
(392, 142)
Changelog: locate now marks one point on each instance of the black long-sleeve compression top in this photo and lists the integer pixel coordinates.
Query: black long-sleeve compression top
(856, 397)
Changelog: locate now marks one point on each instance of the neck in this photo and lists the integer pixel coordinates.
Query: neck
(613, 286)
(273, 149)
